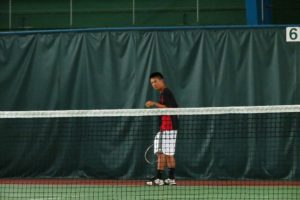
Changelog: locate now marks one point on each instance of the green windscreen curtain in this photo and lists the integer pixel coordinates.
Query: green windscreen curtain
(243, 146)
(110, 69)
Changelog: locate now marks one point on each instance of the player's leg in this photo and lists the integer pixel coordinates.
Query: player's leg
(171, 163)
(161, 164)
(161, 161)
(169, 150)
(161, 158)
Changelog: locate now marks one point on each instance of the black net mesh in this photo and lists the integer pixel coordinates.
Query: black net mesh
(225, 154)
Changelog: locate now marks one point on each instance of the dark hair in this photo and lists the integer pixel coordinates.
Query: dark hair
(156, 75)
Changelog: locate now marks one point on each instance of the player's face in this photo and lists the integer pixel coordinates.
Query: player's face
(157, 83)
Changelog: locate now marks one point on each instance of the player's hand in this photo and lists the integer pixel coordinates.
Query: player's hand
(149, 104)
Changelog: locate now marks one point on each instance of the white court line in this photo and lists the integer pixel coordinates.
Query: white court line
(47, 198)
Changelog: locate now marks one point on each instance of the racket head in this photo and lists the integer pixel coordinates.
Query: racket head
(149, 155)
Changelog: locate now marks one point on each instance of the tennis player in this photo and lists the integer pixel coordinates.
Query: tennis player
(165, 140)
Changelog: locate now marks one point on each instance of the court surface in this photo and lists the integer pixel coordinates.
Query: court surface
(135, 190)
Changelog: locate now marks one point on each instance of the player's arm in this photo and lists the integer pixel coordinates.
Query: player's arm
(155, 104)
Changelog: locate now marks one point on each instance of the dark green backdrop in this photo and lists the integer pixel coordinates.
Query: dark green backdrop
(260, 146)
(110, 69)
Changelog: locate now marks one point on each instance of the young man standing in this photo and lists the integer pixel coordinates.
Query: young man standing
(165, 140)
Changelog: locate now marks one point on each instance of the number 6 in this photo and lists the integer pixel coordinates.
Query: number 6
(293, 34)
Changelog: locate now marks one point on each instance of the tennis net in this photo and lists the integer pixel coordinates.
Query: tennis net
(249, 152)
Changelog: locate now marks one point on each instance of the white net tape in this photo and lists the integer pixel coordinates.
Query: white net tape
(151, 112)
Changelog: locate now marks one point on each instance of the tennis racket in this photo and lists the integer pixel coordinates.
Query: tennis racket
(149, 156)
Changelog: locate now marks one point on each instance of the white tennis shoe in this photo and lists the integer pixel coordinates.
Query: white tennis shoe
(170, 181)
(157, 181)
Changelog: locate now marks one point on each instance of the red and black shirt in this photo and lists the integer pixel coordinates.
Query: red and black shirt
(168, 122)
